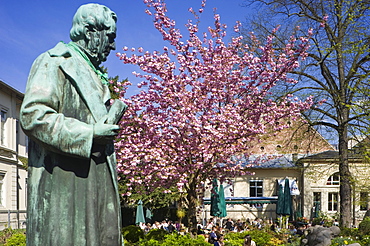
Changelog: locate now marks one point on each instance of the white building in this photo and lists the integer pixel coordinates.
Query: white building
(13, 149)
(313, 164)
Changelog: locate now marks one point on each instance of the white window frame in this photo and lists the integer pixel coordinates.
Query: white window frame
(334, 179)
(2, 189)
(256, 187)
(333, 201)
(3, 121)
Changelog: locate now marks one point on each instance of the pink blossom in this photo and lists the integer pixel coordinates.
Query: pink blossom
(204, 102)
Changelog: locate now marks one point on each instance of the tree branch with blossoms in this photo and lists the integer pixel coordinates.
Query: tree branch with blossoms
(204, 102)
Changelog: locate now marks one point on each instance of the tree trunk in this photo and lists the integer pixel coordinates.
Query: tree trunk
(345, 179)
(192, 208)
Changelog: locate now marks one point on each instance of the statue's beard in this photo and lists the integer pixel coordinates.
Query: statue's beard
(93, 54)
(93, 47)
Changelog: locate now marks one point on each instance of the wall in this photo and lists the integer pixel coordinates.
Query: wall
(317, 173)
(241, 189)
(13, 176)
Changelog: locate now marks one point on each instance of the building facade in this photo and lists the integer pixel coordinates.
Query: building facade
(13, 150)
(302, 156)
(321, 183)
(274, 158)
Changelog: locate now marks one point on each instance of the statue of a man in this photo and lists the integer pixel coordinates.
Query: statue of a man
(72, 184)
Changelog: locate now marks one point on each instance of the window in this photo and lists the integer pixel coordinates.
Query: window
(364, 201)
(2, 175)
(2, 126)
(333, 201)
(255, 188)
(333, 179)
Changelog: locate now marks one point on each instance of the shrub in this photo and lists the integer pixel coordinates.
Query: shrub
(350, 232)
(260, 237)
(234, 239)
(323, 219)
(176, 239)
(234, 242)
(365, 241)
(364, 226)
(5, 234)
(8, 232)
(132, 233)
(180, 240)
(275, 241)
(343, 241)
(18, 239)
(150, 242)
(156, 234)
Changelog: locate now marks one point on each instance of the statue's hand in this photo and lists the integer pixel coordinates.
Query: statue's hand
(104, 133)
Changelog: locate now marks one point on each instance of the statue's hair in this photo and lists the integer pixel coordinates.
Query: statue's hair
(91, 16)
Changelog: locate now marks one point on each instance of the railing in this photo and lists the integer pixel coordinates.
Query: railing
(15, 219)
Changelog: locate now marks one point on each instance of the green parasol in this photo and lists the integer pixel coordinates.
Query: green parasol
(139, 213)
(284, 202)
(215, 200)
(222, 204)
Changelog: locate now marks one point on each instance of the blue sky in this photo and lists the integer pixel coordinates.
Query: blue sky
(28, 28)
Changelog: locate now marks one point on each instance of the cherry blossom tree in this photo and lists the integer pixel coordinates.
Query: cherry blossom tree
(203, 101)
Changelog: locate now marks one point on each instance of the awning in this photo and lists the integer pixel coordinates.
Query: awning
(245, 200)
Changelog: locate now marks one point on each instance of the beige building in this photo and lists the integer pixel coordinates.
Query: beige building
(322, 182)
(307, 160)
(275, 158)
(13, 149)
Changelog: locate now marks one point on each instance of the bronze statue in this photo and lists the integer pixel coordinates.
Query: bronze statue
(72, 184)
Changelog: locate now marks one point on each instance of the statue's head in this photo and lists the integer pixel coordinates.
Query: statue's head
(94, 28)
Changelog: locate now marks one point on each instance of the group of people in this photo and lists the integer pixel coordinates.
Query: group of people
(214, 233)
(214, 230)
(217, 239)
(232, 226)
(166, 225)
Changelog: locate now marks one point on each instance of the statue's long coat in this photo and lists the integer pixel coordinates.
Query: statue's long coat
(72, 184)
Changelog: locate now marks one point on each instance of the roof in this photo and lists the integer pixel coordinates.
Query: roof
(269, 161)
(331, 155)
(300, 138)
(8, 87)
(363, 142)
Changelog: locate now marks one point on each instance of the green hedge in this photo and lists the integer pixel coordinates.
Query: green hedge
(18, 239)
(132, 233)
(9, 232)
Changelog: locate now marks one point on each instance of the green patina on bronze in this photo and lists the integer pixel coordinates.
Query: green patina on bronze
(72, 184)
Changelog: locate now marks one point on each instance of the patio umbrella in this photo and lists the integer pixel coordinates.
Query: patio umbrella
(139, 213)
(222, 206)
(287, 199)
(280, 201)
(148, 214)
(317, 210)
(299, 210)
(215, 200)
(284, 202)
